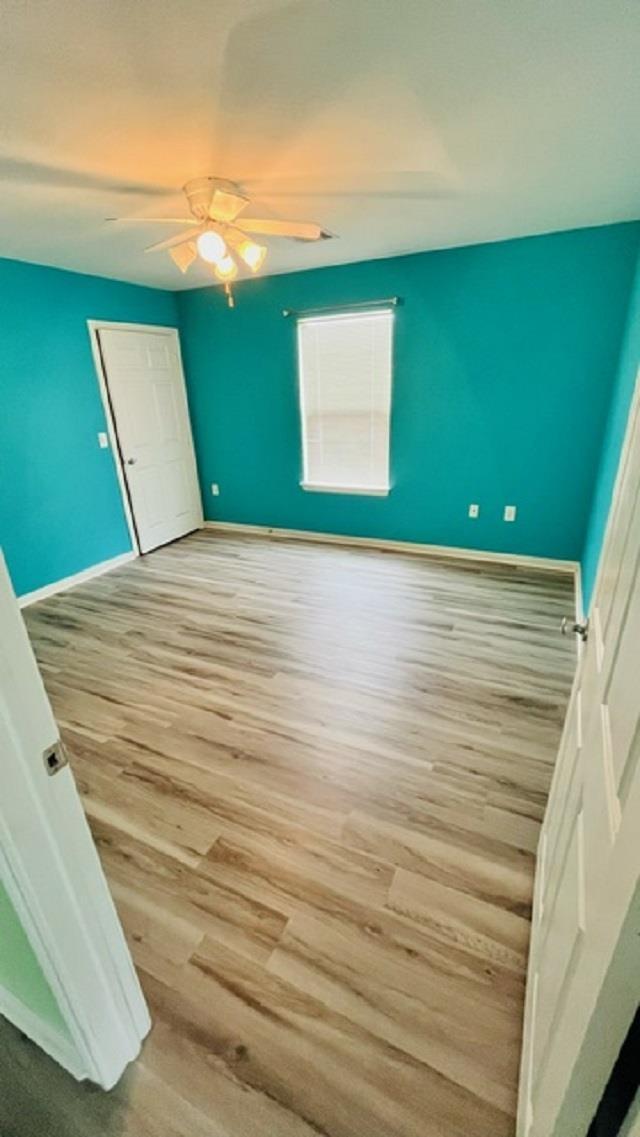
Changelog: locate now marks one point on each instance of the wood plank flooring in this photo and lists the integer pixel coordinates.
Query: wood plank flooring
(315, 776)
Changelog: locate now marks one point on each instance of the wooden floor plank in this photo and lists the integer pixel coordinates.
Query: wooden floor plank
(315, 776)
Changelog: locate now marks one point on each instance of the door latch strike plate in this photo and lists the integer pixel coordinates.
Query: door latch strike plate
(54, 758)
(570, 625)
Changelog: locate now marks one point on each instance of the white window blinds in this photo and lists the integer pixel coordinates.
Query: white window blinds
(344, 366)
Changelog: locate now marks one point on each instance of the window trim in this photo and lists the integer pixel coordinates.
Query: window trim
(320, 487)
(360, 491)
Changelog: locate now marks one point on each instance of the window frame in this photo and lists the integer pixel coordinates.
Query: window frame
(318, 487)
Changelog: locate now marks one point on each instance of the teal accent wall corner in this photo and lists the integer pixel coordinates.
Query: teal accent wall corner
(612, 445)
(504, 359)
(60, 504)
(20, 971)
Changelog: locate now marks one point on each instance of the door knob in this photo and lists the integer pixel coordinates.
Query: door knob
(572, 627)
(131, 461)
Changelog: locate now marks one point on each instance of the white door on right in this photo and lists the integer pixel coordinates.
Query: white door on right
(588, 881)
(146, 388)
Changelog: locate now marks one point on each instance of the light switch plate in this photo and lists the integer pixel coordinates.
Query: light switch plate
(509, 513)
(103, 440)
(474, 510)
(215, 489)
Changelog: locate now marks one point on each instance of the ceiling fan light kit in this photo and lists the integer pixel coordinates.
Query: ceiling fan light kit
(226, 268)
(183, 256)
(249, 251)
(211, 246)
(215, 235)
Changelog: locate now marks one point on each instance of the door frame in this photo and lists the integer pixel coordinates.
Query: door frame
(632, 414)
(51, 872)
(94, 327)
(616, 1003)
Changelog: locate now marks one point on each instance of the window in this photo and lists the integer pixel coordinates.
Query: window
(344, 364)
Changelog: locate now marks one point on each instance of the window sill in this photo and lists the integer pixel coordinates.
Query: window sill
(362, 491)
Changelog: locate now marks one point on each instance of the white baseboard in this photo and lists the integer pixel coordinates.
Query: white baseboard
(451, 552)
(58, 1047)
(77, 578)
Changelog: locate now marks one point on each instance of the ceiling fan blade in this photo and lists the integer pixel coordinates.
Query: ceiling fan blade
(171, 242)
(418, 184)
(270, 227)
(43, 174)
(155, 220)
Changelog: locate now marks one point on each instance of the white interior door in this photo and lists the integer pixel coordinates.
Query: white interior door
(50, 869)
(145, 381)
(584, 968)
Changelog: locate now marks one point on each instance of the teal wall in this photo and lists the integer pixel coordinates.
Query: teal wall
(613, 439)
(505, 356)
(504, 361)
(60, 505)
(20, 972)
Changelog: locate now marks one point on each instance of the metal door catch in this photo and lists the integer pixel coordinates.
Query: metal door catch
(568, 627)
(54, 758)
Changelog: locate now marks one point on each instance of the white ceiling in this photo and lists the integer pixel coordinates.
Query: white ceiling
(399, 125)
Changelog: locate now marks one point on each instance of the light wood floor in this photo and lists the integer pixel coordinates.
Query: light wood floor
(315, 776)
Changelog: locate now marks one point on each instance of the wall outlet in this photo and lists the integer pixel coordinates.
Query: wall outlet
(509, 513)
(215, 489)
(103, 440)
(474, 510)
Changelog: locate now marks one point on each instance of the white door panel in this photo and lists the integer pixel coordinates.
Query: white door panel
(564, 921)
(147, 395)
(567, 784)
(51, 871)
(588, 880)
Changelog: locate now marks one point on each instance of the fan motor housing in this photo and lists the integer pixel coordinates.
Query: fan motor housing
(215, 198)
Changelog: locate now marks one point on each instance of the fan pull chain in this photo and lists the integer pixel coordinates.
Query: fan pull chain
(229, 294)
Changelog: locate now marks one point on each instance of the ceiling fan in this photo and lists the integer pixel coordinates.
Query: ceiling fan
(217, 236)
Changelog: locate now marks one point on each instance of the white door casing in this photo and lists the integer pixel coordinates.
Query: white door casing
(584, 964)
(146, 393)
(51, 871)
